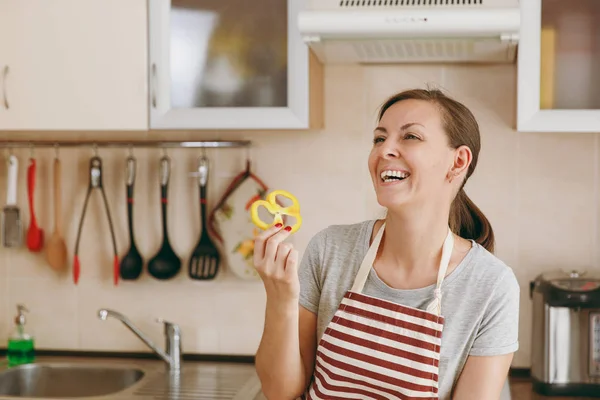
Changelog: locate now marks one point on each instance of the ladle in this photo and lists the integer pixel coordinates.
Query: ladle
(132, 263)
(165, 264)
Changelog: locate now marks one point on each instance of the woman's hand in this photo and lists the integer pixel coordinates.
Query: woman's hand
(286, 354)
(277, 264)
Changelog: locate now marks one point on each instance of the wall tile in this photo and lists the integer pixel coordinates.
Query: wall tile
(188, 304)
(384, 81)
(346, 97)
(556, 199)
(240, 322)
(53, 311)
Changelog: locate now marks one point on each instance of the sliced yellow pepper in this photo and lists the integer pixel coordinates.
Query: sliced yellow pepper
(276, 210)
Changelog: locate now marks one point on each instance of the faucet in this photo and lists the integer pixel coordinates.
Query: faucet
(172, 353)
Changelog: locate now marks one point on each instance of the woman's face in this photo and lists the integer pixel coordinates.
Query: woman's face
(411, 161)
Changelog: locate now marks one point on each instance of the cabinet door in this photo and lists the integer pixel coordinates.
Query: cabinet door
(75, 64)
(230, 64)
(558, 65)
(7, 20)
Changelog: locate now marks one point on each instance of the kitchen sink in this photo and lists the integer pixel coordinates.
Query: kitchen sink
(65, 380)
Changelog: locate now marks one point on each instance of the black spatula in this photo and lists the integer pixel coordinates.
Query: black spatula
(204, 262)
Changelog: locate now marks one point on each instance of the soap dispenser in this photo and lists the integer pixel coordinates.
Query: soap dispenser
(20, 349)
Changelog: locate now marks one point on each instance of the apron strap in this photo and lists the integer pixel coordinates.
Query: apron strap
(367, 263)
(436, 305)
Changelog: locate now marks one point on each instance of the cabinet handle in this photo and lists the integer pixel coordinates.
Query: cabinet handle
(154, 85)
(5, 96)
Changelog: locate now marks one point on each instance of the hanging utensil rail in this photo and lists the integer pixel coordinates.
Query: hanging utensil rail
(126, 144)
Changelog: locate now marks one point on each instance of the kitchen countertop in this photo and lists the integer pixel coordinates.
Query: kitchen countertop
(521, 389)
(214, 379)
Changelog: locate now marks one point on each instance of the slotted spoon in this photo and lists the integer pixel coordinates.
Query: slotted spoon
(204, 262)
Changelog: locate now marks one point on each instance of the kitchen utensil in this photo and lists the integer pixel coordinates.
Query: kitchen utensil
(12, 228)
(165, 264)
(565, 356)
(132, 264)
(204, 262)
(95, 183)
(56, 248)
(232, 227)
(35, 235)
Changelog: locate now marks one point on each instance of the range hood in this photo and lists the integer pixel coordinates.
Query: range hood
(411, 31)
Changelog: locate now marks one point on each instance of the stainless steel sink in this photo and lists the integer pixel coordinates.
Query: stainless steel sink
(65, 380)
(73, 378)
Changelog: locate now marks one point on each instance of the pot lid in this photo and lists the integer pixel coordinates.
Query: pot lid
(574, 280)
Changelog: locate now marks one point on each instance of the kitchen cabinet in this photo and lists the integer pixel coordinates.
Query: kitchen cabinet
(74, 64)
(558, 64)
(234, 64)
(5, 27)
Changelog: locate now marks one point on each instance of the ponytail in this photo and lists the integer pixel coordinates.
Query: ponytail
(467, 221)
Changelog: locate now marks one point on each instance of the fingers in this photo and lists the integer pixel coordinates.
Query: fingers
(274, 243)
(276, 262)
(291, 265)
(272, 254)
(281, 257)
(262, 241)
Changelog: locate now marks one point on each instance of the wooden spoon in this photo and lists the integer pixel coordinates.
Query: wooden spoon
(56, 249)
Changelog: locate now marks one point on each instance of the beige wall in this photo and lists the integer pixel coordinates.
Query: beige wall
(540, 191)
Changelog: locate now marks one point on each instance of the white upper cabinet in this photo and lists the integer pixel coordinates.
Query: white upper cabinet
(559, 66)
(6, 21)
(73, 64)
(231, 64)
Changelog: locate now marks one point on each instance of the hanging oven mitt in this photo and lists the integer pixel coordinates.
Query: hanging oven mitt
(279, 212)
(232, 226)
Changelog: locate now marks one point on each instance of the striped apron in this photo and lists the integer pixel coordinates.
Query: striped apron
(377, 349)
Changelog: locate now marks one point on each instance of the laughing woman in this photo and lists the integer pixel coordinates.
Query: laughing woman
(411, 306)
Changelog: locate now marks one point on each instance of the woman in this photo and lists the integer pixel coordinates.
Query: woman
(362, 316)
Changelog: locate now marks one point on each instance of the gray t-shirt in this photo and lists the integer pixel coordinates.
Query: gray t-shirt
(480, 298)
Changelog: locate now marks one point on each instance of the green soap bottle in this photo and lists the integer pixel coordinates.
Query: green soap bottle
(21, 347)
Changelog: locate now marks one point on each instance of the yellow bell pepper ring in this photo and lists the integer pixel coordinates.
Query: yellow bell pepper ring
(276, 210)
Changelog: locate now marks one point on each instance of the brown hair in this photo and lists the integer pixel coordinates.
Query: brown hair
(466, 219)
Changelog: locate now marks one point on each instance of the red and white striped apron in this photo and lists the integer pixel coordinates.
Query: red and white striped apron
(377, 349)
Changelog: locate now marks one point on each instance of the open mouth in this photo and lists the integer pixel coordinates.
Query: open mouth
(393, 176)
